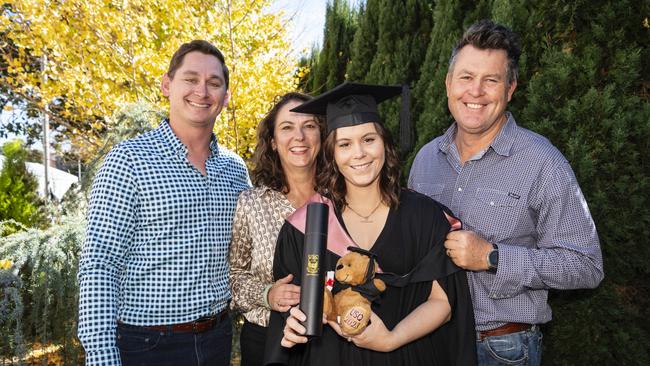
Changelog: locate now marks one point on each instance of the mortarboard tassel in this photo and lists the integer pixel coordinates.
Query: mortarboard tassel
(405, 128)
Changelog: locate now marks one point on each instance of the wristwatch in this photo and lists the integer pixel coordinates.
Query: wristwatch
(493, 259)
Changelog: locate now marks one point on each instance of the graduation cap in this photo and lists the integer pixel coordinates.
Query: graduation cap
(351, 104)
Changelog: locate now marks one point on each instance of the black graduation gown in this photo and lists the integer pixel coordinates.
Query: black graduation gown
(411, 243)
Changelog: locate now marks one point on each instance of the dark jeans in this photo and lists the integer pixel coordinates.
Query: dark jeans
(252, 341)
(520, 348)
(143, 347)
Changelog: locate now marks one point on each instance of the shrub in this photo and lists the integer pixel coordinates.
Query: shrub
(39, 293)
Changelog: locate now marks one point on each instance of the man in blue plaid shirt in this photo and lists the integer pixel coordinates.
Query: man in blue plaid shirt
(153, 274)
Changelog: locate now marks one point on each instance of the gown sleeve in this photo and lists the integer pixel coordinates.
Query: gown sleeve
(454, 341)
(287, 260)
(457, 337)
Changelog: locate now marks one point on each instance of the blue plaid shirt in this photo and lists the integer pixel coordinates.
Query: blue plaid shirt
(521, 194)
(156, 248)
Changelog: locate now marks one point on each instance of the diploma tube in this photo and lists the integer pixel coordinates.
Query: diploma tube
(313, 271)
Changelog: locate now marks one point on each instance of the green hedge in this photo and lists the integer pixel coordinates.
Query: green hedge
(39, 292)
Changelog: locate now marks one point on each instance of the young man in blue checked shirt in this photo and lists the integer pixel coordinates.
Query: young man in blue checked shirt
(526, 224)
(153, 273)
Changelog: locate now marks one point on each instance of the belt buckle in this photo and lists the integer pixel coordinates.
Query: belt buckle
(198, 326)
(202, 324)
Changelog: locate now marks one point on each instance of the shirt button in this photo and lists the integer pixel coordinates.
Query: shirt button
(460, 189)
(491, 203)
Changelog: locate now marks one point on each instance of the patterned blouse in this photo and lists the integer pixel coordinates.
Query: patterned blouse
(260, 214)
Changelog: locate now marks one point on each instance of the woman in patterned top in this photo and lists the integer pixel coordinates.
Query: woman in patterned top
(286, 159)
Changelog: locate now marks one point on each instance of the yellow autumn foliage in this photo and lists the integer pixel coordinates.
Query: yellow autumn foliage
(103, 54)
(5, 264)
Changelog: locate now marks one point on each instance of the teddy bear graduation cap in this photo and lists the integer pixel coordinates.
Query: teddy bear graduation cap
(351, 104)
(366, 287)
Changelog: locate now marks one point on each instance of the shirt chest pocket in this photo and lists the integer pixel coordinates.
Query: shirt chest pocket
(494, 213)
(496, 198)
(433, 190)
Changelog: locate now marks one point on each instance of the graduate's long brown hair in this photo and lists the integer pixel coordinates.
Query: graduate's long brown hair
(331, 182)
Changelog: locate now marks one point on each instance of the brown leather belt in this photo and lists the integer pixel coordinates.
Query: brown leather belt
(198, 326)
(507, 328)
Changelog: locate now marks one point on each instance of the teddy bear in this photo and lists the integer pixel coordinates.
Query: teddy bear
(348, 303)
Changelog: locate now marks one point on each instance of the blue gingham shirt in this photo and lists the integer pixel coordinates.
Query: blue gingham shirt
(521, 194)
(156, 248)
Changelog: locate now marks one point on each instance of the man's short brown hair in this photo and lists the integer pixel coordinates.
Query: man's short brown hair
(200, 46)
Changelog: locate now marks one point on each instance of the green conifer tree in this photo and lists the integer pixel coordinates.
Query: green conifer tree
(404, 31)
(586, 96)
(430, 113)
(364, 44)
(340, 26)
(306, 67)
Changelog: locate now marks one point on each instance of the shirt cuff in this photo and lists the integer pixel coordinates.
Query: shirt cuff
(105, 357)
(508, 281)
(265, 295)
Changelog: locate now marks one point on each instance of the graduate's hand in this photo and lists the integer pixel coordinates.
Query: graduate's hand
(375, 337)
(283, 295)
(293, 330)
(468, 250)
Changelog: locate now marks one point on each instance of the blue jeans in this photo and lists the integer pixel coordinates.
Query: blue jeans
(144, 347)
(520, 348)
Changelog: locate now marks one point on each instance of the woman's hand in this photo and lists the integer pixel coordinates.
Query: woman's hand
(283, 295)
(375, 337)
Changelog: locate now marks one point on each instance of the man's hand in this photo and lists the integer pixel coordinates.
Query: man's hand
(468, 250)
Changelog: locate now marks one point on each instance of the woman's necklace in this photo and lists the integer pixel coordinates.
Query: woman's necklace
(365, 219)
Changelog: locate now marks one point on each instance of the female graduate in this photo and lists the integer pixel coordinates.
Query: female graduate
(425, 315)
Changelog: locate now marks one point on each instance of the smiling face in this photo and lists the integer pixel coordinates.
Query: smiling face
(296, 137)
(359, 154)
(197, 92)
(477, 90)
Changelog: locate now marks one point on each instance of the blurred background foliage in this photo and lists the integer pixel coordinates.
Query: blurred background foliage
(583, 84)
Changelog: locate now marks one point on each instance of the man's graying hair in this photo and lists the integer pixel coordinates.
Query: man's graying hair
(487, 35)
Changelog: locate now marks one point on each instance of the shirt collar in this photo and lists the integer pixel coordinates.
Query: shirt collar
(266, 190)
(448, 138)
(214, 146)
(263, 189)
(502, 144)
(173, 145)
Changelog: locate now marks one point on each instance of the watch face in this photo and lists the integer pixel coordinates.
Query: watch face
(494, 258)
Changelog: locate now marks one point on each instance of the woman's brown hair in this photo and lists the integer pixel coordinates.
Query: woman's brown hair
(267, 169)
(331, 183)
